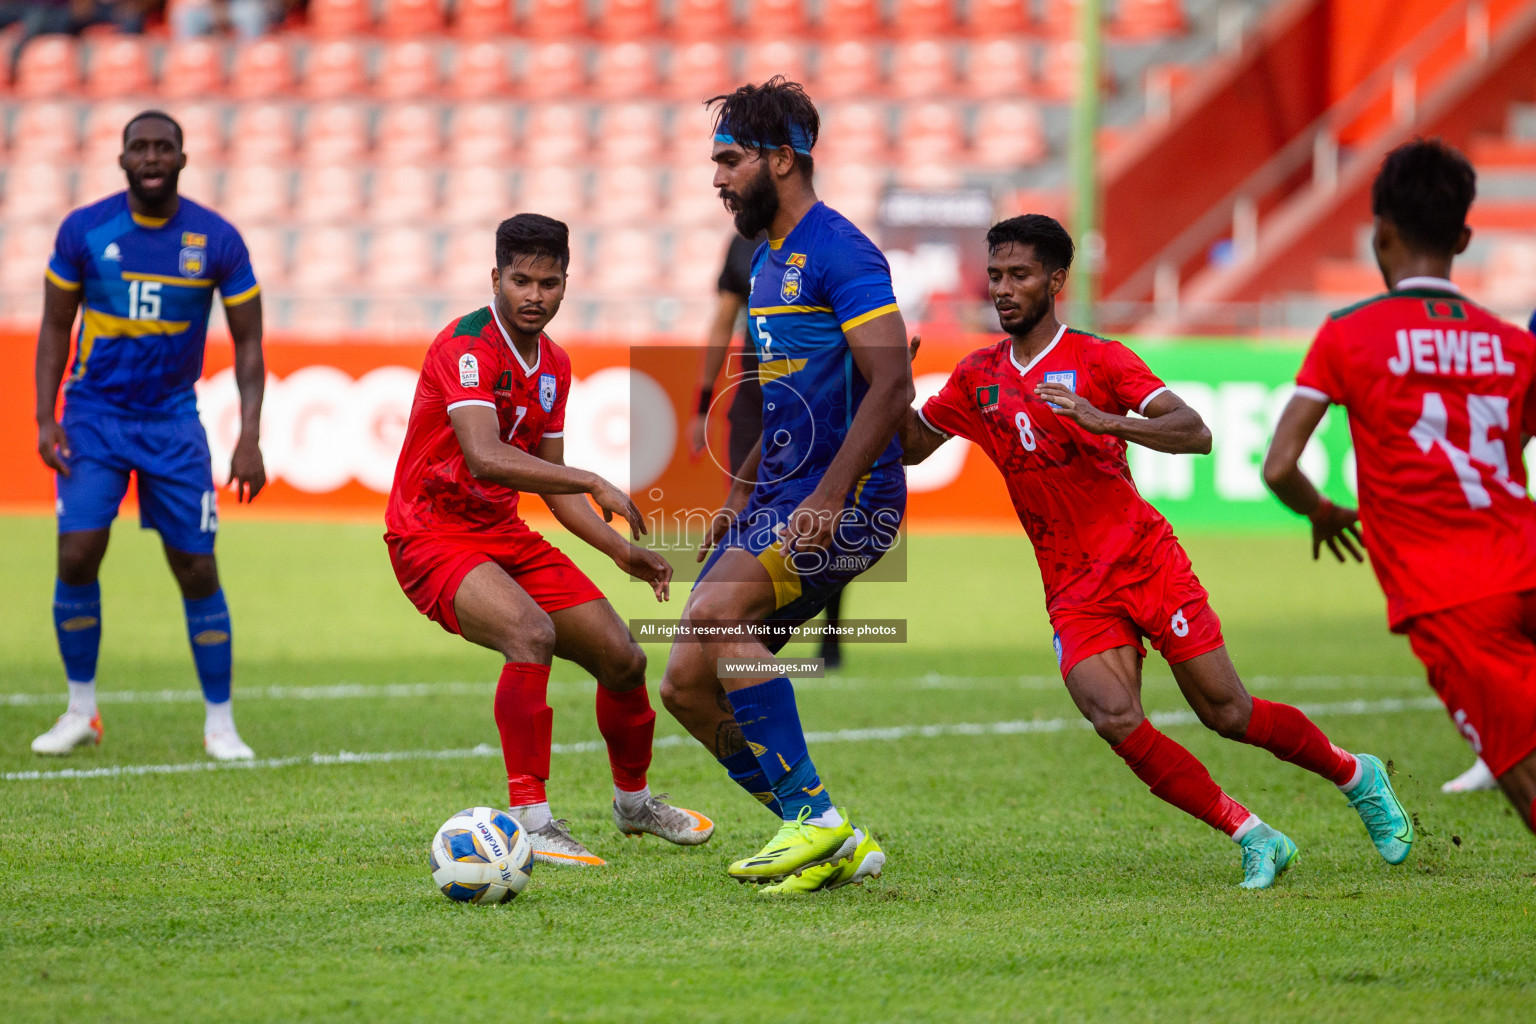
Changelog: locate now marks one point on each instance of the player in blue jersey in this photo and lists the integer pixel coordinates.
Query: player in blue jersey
(820, 500)
(141, 267)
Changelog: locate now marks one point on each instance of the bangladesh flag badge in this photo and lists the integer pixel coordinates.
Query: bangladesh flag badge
(986, 397)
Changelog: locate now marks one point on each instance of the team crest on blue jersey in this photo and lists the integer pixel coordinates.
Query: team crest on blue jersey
(547, 391)
(789, 290)
(194, 259)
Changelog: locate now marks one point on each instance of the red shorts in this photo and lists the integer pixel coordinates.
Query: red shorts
(430, 567)
(1170, 607)
(1481, 658)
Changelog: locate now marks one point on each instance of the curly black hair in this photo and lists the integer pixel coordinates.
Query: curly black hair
(532, 234)
(776, 113)
(1425, 188)
(1051, 242)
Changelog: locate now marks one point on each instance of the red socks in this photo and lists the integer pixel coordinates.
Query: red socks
(627, 724)
(524, 719)
(1290, 735)
(1173, 774)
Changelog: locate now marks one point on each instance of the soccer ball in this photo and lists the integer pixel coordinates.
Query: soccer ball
(481, 855)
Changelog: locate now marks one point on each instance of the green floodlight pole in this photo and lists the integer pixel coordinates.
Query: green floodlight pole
(1084, 153)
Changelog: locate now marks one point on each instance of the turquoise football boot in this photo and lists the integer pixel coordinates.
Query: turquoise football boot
(1389, 825)
(1267, 854)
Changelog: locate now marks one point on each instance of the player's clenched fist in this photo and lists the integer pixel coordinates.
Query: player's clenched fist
(53, 446)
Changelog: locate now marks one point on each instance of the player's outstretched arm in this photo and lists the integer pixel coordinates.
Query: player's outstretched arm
(1333, 525)
(576, 514)
(59, 308)
(488, 458)
(880, 351)
(247, 471)
(1169, 425)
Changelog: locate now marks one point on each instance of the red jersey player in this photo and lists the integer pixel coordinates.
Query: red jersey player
(1050, 408)
(1440, 401)
(488, 422)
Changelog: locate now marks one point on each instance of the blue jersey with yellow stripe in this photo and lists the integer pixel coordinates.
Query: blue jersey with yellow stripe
(823, 278)
(146, 290)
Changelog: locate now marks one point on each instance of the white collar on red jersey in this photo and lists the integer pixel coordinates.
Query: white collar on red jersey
(527, 370)
(1043, 352)
(1438, 283)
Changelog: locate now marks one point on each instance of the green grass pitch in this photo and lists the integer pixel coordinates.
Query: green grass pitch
(1031, 876)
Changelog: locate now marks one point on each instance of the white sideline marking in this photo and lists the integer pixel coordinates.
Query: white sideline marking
(360, 691)
(895, 732)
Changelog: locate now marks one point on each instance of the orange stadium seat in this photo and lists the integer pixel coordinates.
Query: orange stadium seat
(477, 195)
(101, 178)
(775, 19)
(1148, 19)
(202, 129)
(334, 133)
(638, 272)
(556, 189)
(46, 132)
(697, 256)
(399, 261)
(24, 255)
(988, 19)
(930, 133)
(267, 251)
(255, 193)
(334, 69)
(624, 71)
(409, 133)
(199, 181)
(850, 19)
(997, 68)
(407, 19)
(699, 70)
(331, 18)
(922, 68)
(853, 189)
(691, 196)
(325, 260)
(403, 194)
(468, 259)
(692, 135)
(775, 57)
(104, 130)
(702, 19)
(36, 192)
(854, 132)
(482, 19)
(262, 132)
(556, 132)
(49, 67)
(924, 19)
(1060, 18)
(479, 133)
(626, 193)
(849, 70)
(629, 132)
(193, 68)
(555, 19)
(1009, 134)
(479, 71)
(263, 70)
(1510, 274)
(554, 71)
(408, 70)
(118, 66)
(628, 19)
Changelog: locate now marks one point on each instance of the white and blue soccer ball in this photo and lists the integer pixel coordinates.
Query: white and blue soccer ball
(481, 855)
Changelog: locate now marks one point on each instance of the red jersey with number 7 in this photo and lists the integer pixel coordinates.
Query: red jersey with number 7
(1439, 395)
(472, 362)
(1092, 531)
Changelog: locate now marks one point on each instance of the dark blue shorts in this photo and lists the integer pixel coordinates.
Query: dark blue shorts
(174, 470)
(804, 582)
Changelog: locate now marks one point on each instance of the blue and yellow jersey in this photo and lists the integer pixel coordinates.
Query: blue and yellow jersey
(147, 287)
(825, 277)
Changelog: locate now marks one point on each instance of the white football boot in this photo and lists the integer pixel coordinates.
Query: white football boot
(71, 730)
(226, 745)
(1476, 778)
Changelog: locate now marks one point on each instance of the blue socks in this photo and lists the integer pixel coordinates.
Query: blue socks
(208, 629)
(77, 623)
(771, 723)
(746, 773)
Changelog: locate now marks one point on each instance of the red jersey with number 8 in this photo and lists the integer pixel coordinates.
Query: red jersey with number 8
(472, 362)
(1439, 395)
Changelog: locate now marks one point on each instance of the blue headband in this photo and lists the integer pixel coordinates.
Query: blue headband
(799, 140)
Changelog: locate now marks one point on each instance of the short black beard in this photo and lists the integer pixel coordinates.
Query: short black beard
(757, 206)
(1022, 329)
(168, 190)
